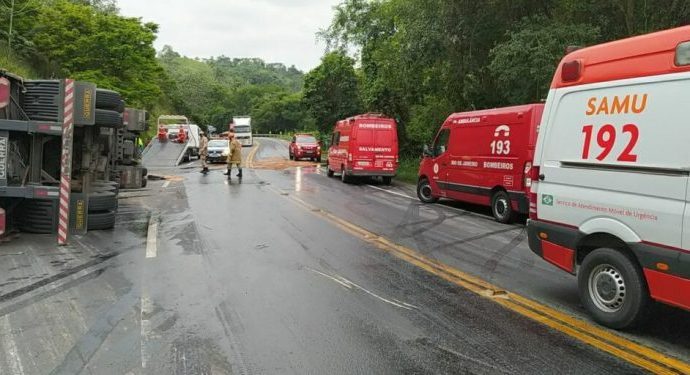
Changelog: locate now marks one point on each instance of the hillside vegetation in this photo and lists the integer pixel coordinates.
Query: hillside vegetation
(419, 61)
(416, 61)
(89, 40)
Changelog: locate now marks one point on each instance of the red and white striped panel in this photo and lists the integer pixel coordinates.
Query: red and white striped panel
(66, 163)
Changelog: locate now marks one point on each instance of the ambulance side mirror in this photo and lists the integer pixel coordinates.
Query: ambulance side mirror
(427, 152)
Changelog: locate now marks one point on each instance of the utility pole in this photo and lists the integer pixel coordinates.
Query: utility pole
(9, 33)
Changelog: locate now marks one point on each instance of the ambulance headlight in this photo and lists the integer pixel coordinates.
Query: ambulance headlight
(683, 54)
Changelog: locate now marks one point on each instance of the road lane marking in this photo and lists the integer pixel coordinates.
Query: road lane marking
(428, 206)
(145, 310)
(252, 154)
(350, 285)
(152, 237)
(343, 284)
(166, 184)
(392, 192)
(599, 338)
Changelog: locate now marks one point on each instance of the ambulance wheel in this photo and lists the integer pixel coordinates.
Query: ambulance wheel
(424, 192)
(330, 172)
(387, 180)
(501, 207)
(344, 177)
(613, 289)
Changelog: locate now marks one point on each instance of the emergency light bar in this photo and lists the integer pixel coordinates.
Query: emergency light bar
(683, 54)
(571, 71)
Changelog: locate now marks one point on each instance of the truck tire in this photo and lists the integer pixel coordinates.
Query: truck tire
(108, 99)
(329, 172)
(108, 118)
(424, 192)
(102, 201)
(613, 289)
(501, 207)
(101, 186)
(37, 216)
(121, 107)
(101, 220)
(105, 189)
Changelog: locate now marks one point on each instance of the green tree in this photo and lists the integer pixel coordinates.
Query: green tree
(523, 65)
(331, 91)
(112, 51)
(282, 113)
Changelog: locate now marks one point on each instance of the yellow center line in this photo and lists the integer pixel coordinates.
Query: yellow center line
(252, 154)
(602, 339)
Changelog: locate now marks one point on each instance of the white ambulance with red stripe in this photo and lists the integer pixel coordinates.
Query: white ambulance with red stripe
(610, 197)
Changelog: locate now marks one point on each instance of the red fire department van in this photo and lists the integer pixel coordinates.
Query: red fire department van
(611, 172)
(483, 157)
(364, 145)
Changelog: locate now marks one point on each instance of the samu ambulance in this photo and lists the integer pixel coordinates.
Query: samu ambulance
(610, 196)
(483, 157)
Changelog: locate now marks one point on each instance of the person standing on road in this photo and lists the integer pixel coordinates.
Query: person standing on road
(235, 156)
(203, 152)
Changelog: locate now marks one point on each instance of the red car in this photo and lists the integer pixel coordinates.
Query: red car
(364, 146)
(305, 146)
(483, 157)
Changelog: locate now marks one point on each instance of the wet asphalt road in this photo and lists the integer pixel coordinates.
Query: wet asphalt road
(236, 278)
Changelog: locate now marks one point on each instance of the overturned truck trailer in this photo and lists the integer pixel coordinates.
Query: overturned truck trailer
(127, 165)
(58, 140)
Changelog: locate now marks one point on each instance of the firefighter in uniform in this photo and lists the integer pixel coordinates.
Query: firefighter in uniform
(203, 152)
(235, 156)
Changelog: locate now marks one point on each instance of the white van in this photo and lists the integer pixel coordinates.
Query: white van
(610, 195)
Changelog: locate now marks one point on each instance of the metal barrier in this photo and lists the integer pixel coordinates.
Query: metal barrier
(270, 135)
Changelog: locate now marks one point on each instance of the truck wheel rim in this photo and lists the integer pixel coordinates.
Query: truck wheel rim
(607, 288)
(425, 190)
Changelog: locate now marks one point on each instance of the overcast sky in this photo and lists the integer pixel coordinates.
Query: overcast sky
(273, 30)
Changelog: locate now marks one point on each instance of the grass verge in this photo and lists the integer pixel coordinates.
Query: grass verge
(407, 171)
(15, 65)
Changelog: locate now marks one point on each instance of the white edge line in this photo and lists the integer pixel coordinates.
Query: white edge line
(441, 205)
(151, 238)
(349, 285)
(344, 284)
(392, 192)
